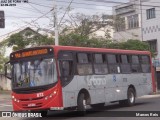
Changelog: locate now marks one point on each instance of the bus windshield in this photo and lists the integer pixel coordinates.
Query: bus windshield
(34, 73)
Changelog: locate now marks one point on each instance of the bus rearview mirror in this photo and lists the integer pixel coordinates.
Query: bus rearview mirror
(7, 68)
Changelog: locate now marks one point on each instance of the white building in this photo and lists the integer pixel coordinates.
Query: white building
(142, 21)
(131, 28)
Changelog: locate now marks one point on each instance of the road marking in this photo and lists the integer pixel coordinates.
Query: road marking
(151, 96)
(2, 105)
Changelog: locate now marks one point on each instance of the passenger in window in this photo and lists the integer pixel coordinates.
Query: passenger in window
(65, 68)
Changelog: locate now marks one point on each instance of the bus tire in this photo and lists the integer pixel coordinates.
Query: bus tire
(81, 104)
(99, 106)
(130, 97)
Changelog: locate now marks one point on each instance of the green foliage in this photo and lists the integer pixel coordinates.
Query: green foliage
(3, 59)
(20, 41)
(130, 45)
(41, 40)
(17, 41)
(134, 45)
(73, 39)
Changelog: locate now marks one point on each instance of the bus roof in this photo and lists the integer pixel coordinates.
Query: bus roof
(58, 48)
(89, 49)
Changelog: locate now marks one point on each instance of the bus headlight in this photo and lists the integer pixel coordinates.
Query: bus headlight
(46, 98)
(51, 95)
(14, 99)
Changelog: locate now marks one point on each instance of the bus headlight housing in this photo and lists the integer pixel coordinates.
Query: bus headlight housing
(51, 95)
(16, 100)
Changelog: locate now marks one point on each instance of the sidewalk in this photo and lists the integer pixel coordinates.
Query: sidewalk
(5, 95)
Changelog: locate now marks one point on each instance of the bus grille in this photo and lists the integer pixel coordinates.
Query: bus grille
(29, 99)
(36, 106)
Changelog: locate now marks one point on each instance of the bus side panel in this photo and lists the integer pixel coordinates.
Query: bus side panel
(106, 88)
(70, 93)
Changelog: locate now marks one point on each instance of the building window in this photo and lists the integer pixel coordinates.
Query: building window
(133, 21)
(151, 13)
(153, 45)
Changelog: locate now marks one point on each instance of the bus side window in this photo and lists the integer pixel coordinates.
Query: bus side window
(113, 63)
(125, 64)
(84, 65)
(145, 64)
(100, 67)
(66, 69)
(135, 64)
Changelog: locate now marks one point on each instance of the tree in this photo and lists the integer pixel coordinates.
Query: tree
(3, 59)
(74, 39)
(85, 25)
(19, 41)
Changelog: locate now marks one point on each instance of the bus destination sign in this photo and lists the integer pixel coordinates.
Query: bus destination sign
(30, 53)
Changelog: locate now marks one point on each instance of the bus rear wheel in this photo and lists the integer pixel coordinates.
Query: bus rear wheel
(131, 97)
(130, 101)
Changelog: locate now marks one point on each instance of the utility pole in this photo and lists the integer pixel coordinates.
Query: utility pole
(141, 19)
(55, 22)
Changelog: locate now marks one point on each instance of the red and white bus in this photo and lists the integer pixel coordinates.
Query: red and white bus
(63, 77)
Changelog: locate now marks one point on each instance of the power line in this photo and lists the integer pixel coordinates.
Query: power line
(88, 8)
(25, 17)
(27, 24)
(85, 3)
(27, 9)
(103, 1)
(91, 4)
(65, 11)
(102, 5)
(22, 14)
(40, 5)
(39, 11)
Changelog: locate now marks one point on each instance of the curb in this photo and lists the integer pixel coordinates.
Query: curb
(6, 92)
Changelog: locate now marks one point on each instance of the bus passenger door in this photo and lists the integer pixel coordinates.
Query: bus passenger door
(66, 65)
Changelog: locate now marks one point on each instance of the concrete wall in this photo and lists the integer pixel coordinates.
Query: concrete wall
(5, 83)
(128, 34)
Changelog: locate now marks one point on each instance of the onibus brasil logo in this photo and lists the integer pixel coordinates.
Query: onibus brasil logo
(19, 114)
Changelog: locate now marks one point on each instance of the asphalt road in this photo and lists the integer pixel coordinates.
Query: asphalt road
(146, 103)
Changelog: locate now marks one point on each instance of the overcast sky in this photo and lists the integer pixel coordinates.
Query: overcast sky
(22, 15)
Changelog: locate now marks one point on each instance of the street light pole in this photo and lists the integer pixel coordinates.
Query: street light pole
(55, 23)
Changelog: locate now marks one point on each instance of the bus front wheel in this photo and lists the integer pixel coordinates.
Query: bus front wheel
(81, 104)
